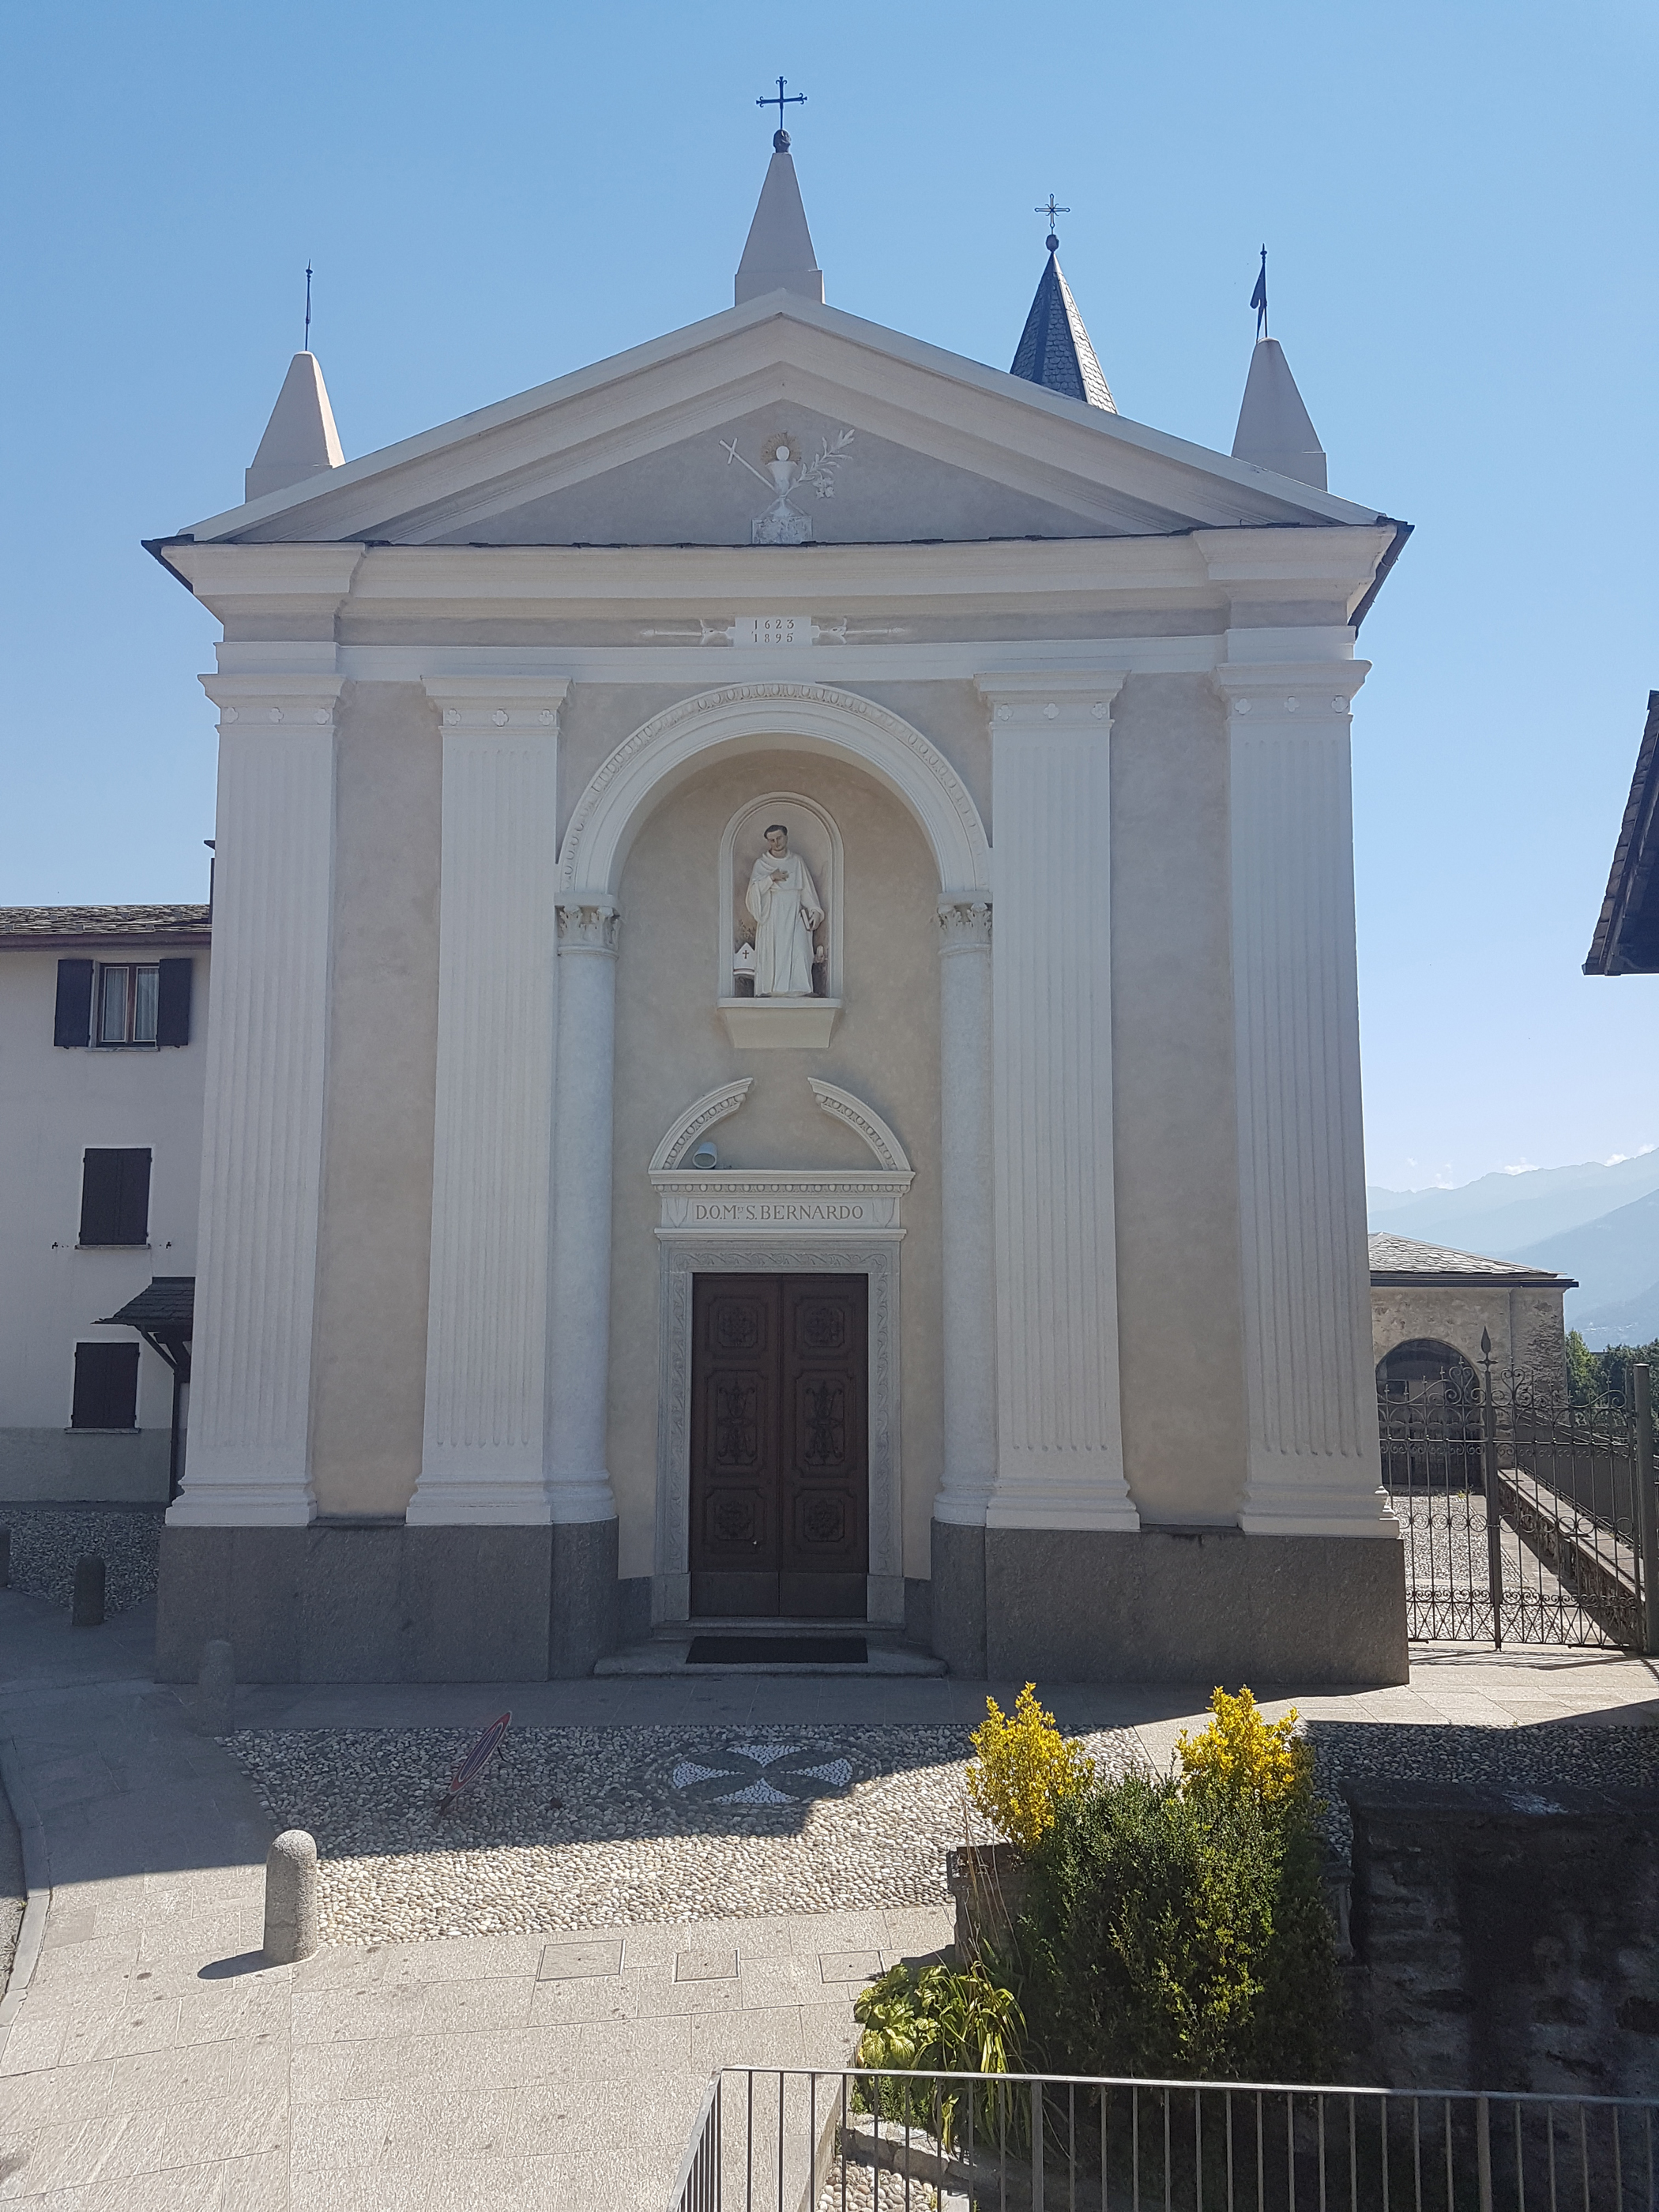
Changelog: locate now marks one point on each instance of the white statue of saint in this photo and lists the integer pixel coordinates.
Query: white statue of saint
(784, 902)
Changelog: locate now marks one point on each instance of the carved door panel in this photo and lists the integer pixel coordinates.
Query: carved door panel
(779, 1473)
(824, 1514)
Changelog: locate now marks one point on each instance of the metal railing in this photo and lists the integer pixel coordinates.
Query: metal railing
(794, 2140)
(1528, 1517)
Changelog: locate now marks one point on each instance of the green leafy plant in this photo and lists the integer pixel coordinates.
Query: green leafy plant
(937, 2020)
(1177, 1926)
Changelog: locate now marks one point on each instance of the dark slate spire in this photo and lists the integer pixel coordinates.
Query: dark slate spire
(1053, 347)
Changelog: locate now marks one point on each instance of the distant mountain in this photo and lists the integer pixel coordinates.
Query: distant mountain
(1615, 1260)
(1621, 1321)
(1499, 1214)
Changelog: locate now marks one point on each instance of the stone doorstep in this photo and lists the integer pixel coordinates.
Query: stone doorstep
(665, 1651)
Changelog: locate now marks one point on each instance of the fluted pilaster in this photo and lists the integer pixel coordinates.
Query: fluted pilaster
(1059, 1448)
(967, 1184)
(482, 1457)
(1313, 1452)
(579, 1343)
(262, 1121)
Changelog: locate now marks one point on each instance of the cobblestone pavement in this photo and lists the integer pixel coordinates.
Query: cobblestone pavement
(602, 1827)
(155, 2062)
(47, 1541)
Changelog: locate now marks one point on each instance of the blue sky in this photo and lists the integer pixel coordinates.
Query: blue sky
(1458, 205)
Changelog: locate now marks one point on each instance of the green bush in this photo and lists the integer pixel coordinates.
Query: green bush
(1178, 1929)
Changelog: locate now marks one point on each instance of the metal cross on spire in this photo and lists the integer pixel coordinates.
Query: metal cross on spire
(307, 343)
(781, 136)
(1051, 210)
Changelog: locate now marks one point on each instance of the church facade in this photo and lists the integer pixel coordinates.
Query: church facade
(783, 1039)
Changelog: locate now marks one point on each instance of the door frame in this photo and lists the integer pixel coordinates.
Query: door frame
(873, 1254)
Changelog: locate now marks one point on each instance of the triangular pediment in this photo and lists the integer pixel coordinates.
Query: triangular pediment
(888, 440)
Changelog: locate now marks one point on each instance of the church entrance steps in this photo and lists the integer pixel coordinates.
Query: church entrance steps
(769, 1647)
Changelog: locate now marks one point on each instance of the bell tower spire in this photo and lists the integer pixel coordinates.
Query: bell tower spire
(1055, 349)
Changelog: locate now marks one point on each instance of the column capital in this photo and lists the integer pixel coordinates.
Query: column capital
(588, 925)
(964, 922)
(483, 704)
(298, 699)
(1067, 699)
(1280, 691)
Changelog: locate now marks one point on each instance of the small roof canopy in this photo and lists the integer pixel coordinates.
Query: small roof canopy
(1398, 1260)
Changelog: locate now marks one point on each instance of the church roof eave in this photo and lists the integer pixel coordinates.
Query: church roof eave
(331, 505)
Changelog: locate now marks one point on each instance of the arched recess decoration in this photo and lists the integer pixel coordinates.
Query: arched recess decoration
(773, 718)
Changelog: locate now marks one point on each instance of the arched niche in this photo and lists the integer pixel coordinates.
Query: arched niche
(752, 1022)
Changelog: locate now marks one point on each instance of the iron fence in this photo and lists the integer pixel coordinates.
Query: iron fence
(791, 2140)
(1528, 1517)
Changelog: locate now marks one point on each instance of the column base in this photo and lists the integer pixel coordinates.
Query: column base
(959, 1597)
(581, 1598)
(1204, 1607)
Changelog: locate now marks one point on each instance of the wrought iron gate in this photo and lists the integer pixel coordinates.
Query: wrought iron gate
(1528, 1518)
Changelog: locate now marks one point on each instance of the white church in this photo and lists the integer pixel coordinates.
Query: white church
(782, 1047)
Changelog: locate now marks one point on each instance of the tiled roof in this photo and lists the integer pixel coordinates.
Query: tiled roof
(1627, 939)
(43, 927)
(1054, 348)
(1405, 1258)
(165, 1307)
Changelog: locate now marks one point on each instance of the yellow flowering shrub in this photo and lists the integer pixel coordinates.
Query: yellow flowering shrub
(1241, 1751)
(1022, 1768)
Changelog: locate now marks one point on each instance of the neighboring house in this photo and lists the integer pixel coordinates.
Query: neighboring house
(1627, 939)
(102, 1015)
(1431, 1306)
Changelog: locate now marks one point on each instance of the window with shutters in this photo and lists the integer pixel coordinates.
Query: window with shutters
(105, 1387)
(117, 1004)
(115, 1195)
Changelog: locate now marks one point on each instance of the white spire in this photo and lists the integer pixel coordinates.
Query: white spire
(1274, 428)
(301, 440)
(779, 256)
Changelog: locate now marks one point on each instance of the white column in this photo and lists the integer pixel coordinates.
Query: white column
(487, 1318)
(966, 1183)
(1313, 1451)
(579, 1355)
(1060, 1443)
(262, 1152)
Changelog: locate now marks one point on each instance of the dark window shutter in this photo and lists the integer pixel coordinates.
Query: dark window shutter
(105, 1387)
(72, 1023)
(134, 1222)
(173, 1001)
(115, 1196)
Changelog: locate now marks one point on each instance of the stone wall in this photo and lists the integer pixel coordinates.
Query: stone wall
(1506, 1940)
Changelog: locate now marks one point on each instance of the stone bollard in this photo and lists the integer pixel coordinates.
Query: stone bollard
(217, 1683)
(5, 1558)
(291, 1888)
(88, 1609)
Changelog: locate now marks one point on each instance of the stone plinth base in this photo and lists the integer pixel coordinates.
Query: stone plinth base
(1066, 1605)
(375, 1601)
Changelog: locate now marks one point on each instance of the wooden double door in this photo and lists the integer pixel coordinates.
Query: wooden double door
(780, 1446)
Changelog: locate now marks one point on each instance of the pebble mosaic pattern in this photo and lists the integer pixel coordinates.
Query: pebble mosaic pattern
(47, 1539)
(611, 1827)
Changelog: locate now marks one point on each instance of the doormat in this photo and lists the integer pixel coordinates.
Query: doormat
(778, 1651)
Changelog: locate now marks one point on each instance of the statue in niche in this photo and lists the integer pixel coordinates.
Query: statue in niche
(783, 902)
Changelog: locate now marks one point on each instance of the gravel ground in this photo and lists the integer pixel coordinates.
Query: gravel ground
(1526, 1760)
(47, 1539)
(609, 1827)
